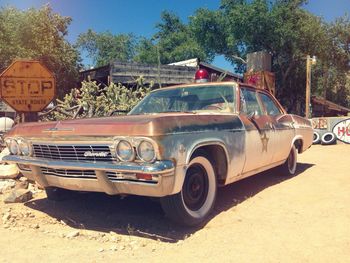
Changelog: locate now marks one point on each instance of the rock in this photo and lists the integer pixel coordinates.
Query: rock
(18, 196)
(39, 186)
(8, 171)
(22, 185)
(73, 234)
(105, 239)
(6, 185)
(114, 248)
(101, 250)
(6, 217)
(23, 179)
(63, 222)
(4, 152)
(34, 187)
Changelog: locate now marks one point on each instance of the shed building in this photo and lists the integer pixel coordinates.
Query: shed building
(166, 75)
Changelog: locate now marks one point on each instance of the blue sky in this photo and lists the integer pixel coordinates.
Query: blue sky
(140, 16)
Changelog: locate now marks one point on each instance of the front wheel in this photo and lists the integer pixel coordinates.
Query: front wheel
(193, 204)
(290, 165)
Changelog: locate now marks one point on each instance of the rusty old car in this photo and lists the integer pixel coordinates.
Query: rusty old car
(179, 144)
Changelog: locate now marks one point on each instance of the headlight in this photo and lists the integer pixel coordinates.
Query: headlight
(125, 152)
(13, 147)
(146, 152)
(24, 147)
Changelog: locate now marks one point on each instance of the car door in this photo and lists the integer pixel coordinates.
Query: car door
(283, 126)
(259, 139)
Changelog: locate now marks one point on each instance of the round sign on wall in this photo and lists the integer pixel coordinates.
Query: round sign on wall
(342, 130)
(27, 86)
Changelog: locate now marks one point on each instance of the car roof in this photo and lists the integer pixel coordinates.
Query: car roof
(221, 83)
(226, 83)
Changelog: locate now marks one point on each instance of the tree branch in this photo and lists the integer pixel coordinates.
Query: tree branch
(239, 58)
(77, 112)
(58, 108)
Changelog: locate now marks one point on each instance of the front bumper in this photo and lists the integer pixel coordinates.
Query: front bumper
(111, 178)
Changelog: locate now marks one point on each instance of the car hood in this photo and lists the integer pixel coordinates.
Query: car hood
(130, 125)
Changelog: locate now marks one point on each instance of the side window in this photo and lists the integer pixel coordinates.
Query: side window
(249, 102)
(270, 105)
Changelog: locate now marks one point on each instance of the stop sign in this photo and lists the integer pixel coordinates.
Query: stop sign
(27, 86)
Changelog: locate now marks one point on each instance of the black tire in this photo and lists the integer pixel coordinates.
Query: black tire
(57, 194)
(328, 138)
(317, 138)
(290, 165)
(197, 197)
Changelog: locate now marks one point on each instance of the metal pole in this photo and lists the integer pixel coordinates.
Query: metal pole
(308, 85)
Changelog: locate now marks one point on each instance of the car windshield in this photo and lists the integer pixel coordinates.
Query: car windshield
(188, 99)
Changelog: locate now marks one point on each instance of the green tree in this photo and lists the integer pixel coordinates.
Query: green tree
(281, 27)
(105, 47)
(39, 34)
(176, 40)
(146, 51)
(173, 41)
(332, 73)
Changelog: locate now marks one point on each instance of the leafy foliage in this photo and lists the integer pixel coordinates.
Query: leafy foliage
(92, 100)
(105, 47)
(173, 41)
(288, 32)
(39, 34)
(176, 41)
(146, 52)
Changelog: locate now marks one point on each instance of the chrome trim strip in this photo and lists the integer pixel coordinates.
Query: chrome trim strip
(164, 168)
(58, 129)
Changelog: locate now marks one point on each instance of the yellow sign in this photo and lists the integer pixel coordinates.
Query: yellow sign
(27, 86)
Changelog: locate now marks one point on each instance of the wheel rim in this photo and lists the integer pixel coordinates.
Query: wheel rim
(195, 189)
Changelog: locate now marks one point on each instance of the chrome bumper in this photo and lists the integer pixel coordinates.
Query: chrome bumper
(163, 171)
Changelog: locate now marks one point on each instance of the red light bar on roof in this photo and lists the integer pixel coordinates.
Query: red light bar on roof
(201, 76)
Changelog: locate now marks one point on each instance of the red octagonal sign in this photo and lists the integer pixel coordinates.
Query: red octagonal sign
(27, 86)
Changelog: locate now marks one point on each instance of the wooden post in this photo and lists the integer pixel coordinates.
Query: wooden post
(308, 85)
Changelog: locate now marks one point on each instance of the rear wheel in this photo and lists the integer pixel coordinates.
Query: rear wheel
(197, 197)
(290, 165)
(57, 194)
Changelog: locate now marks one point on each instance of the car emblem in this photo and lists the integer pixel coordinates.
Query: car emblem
(95, 154)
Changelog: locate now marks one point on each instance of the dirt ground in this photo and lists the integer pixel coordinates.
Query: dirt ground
(265, 218)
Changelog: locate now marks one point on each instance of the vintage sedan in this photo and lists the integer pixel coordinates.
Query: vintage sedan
(179, 144)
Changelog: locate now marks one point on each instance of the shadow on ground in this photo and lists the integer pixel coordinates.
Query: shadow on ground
(141, 216)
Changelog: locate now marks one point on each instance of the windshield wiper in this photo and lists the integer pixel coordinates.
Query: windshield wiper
(181, 111)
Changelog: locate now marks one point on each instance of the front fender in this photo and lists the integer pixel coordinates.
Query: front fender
(211, 142)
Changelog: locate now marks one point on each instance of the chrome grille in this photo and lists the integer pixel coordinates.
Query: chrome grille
(73, 152)
(69, 173)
